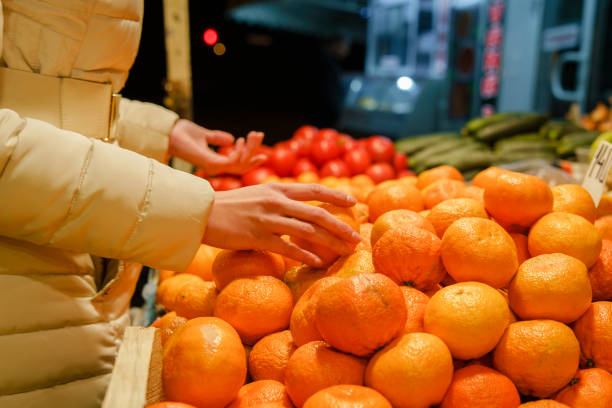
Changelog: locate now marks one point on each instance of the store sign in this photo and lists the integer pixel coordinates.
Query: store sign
(561, 37)
(595, 179)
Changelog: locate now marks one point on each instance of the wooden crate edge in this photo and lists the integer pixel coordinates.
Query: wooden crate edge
(136, 379)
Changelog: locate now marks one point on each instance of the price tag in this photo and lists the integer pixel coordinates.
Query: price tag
(595, 179)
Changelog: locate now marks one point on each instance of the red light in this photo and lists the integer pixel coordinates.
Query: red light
(210, 36)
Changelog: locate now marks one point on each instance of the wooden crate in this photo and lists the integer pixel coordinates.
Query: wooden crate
(136, 380)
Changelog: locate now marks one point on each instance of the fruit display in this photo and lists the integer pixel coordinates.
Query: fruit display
(498, 139)
(497, 294)
(313, 154)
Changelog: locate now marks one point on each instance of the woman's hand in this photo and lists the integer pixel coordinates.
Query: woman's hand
(255, 217)
(190, 141)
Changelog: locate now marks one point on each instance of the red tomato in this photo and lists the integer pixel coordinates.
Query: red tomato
(265, 150)
(336, 168)
(257, 175)
(327, 133)
(381, 149)
(357, 160)
(302, 166)
(301, 147)
(229, 183)
(400, 161)
(282, 160)
(215, 183)
(324, 149)
(346, 142)
(363, 143)
(226, 150)
(200, 173)
(305, 132)
(380, 172)
(405, 173)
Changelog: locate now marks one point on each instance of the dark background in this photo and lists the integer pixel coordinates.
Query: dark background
(268, 80)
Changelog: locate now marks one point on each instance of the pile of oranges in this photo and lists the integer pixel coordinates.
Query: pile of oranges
(496, 294)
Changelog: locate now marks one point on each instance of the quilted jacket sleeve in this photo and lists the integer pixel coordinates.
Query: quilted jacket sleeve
(60, 189)
(144, 128)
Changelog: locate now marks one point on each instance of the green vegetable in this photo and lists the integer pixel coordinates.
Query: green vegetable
(411, 145)
(568, 143)
(512, 126)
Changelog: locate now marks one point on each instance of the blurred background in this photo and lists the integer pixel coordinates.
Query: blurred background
(391, 67)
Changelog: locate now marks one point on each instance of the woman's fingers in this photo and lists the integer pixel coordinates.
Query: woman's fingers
(279, 246)
(310, 192)
(218, 137)
(322, 218)
(309, 232)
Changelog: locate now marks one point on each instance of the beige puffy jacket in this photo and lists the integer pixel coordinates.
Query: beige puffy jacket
(67, 200)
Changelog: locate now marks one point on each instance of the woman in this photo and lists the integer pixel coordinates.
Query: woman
(74, 208)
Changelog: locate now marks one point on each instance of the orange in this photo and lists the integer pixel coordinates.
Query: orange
(544, 403)
(169, 404)
(600, 274)
(165, 274)
(416, 303)
(353, 264)
(477, 249)
(315, 366)
(362, 180)
(168, 324)
(590, 388)
(347, 396)
(360, 314)
(260, 393)
(516, 198)
(604, 226)
(231, 264)
(307, 177)
(594, 332)
(395, 196)
(487, 177)
(205, 347)
(414, 370)
(470, 317)
(255, 306)
(362, 212)
(539, 356)
(300, 278)
(195, 299)
(270, 355)
(477, 386)
(365, 230)
(522, 250)
(442, 190)
(201, 264)
(473, 192)
(444, 214)
(188, 297)
(410, 256)
(566, 233)
(398, 219)
(574, 199)
(605, 205)
(430, 176)
(167, 290)
(302, 324)
(550, 286)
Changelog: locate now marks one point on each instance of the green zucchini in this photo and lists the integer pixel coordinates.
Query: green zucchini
(479, 123)
(412, 145)
(569, 142)
(512, 126)
(440, 147)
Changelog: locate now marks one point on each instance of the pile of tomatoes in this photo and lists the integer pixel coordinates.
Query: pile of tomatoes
(322, 153)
